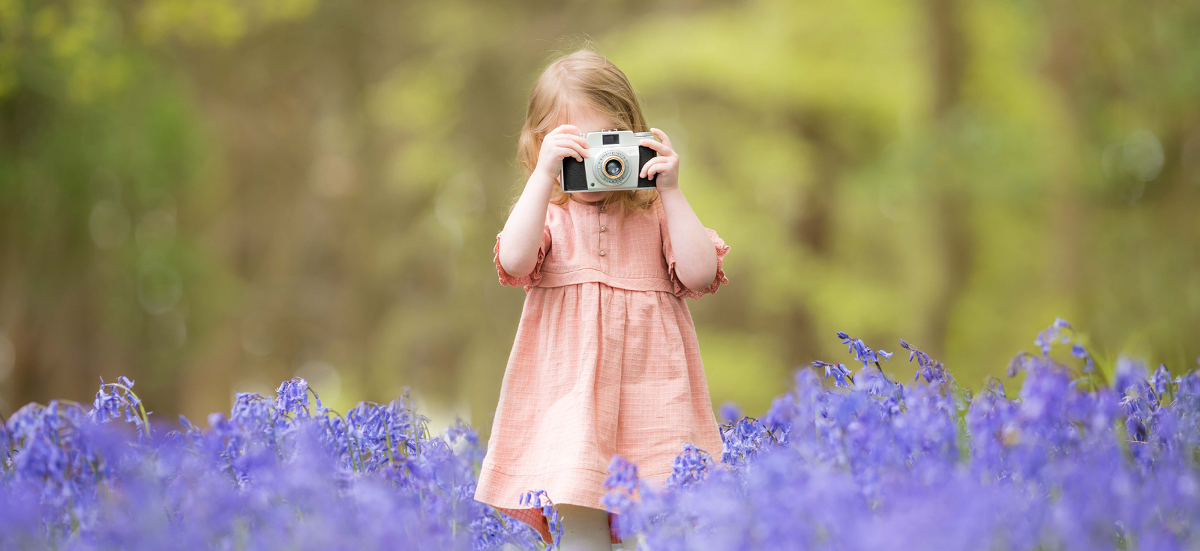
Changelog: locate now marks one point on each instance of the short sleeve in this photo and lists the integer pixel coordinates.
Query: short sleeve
(533, 277)
(679, 289)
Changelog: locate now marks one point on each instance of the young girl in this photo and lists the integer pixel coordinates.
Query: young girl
(605, 359)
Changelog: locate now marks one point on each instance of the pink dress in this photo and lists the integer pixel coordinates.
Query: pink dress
(605, 362)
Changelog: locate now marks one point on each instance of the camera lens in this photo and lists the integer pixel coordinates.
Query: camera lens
(609, 168)
(613, 167)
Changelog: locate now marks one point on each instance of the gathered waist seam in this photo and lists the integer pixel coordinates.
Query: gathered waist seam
(587, 275)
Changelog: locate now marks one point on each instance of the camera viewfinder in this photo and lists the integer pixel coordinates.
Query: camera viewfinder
(610, 139)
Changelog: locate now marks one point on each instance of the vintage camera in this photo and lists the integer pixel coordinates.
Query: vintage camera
(614, 161)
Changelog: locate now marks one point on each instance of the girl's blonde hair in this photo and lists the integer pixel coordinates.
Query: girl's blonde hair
(582, 78)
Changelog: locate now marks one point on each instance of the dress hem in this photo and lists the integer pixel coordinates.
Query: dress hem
(493, 482)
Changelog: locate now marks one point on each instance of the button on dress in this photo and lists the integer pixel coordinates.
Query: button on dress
(605, 361)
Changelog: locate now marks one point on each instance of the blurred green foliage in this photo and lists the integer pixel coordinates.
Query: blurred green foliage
(215, 195)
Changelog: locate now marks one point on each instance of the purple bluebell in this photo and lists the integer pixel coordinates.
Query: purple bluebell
(730, 412)
(870, 463)
(861, 351)
(841, 375)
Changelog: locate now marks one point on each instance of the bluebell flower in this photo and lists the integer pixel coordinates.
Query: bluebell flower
(1064, 465)
(689, 467)
(1053, 334)
(861, 351)
(1079, 351)
(743, 440)
(1128, 374)
(114, 400)
(932, 370)
(730, 412)
(1017, 363)
(539, 499)
(292, 397)
(839, 372)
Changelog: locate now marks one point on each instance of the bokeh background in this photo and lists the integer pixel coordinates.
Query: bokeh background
(212, 196)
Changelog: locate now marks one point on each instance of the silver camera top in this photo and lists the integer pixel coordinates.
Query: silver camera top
(616, 137)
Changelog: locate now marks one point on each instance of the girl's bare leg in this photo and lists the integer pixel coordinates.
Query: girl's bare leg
(584, 528)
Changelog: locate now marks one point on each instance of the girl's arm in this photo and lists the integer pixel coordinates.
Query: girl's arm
(522, 233)
(695, 256)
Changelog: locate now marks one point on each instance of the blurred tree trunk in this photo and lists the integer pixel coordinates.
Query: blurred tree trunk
(53, 317)
(795, 328)
(951, 201)
(813, 227)
(1061, 71)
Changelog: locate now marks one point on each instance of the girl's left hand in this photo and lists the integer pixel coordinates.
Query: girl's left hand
(665, 166)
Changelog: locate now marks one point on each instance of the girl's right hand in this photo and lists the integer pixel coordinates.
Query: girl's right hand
(560, 143)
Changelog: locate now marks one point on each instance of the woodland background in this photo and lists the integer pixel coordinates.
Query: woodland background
(212, 196)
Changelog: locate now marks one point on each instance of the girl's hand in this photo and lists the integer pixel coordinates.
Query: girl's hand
(665, 166)
(560, 143)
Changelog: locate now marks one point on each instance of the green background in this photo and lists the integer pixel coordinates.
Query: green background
(210, 196)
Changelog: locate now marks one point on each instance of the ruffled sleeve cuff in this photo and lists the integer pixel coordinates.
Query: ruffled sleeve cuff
(679, 289)
(531, 279)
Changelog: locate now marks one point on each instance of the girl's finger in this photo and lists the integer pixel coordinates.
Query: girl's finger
(575, 138)
(662, 148)
(646, 167)
(662, 136)
(564, 130)
(563, 140)
(650, 164)
(565, 152)
(573, 145)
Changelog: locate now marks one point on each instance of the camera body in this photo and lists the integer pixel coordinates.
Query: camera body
(614, 161)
